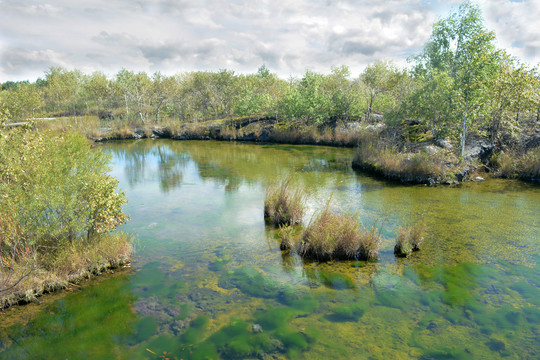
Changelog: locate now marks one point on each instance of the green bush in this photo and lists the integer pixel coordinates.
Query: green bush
(54, 189)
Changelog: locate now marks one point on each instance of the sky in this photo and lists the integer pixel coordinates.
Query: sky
(288, 36)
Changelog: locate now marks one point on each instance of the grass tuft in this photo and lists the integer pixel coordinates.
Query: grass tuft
(338, 236)
(409, 238)
(283, 205)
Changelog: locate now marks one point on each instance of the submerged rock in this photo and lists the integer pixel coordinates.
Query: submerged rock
(256, 328)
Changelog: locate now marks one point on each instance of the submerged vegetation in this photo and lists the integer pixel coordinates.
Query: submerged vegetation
(59, 206)
(283, 205)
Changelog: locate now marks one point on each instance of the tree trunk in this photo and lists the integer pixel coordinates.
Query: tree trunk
(463, 129)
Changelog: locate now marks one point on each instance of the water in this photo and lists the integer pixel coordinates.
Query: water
(209, 275)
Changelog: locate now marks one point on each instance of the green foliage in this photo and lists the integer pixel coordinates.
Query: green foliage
(54, 189)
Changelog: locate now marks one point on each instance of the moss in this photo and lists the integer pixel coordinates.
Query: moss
(251, 282)
(146, 327)
(219, 265)
(351, 312)
(529, 292)
(194, 334)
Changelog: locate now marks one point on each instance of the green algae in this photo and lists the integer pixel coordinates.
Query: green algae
(352, 312)
(251, 282)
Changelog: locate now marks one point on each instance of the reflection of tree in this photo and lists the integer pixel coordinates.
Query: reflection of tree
(139, 158)
(170, 165)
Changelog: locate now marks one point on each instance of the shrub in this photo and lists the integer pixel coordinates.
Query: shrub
(409, 238)
(337, 236)
(283, 205)
(58, 205)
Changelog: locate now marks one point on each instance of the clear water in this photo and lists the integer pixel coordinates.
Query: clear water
(209, 274)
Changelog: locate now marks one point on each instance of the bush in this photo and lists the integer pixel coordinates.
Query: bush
(409, 239)
(58, 203)
(283, 205)
(336, 236)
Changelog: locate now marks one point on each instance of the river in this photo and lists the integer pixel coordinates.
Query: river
(209, 281)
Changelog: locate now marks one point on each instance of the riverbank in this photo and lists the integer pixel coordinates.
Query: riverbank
(404, 153)
(32, 274)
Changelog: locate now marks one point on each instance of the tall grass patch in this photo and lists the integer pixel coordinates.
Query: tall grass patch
(283, 204)
(417, 167)
(410, 238)
(331, 236)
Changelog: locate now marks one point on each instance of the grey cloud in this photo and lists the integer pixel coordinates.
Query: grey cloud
(359, 47)
(17, 61)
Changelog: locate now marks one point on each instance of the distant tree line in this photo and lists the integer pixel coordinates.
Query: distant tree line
(460, 83)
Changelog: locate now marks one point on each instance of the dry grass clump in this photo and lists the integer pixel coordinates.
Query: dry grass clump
(283, 205)
(418, 167)
(525, 166)
(337, 236)
(409, 238)
(31, 273)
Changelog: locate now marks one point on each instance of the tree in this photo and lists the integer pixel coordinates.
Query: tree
(378, 78)
(462, 52)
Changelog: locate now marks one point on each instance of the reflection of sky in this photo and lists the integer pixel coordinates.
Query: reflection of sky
(221, 194)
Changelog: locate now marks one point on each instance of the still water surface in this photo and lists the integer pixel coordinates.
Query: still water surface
(208, 275)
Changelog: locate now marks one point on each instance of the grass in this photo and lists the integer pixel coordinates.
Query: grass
(525, 166)
(284, 205)
(32, 272)
(332, 236)
(409, 238)
(418, 167)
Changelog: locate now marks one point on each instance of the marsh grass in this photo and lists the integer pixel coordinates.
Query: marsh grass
(417, 167)
(284, 205)
(33, 272)
(410, 238)
(525, 166)
(331, 236)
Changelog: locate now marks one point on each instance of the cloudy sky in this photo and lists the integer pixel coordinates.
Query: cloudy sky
(289, 36)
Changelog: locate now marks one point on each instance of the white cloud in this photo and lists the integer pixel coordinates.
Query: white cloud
(289, 36)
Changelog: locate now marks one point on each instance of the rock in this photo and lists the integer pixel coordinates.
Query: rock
(479, 178)
(460, 176)
(432, 326)
(432, 150)
(265, 135)
(443, 143)
(478, 149)
(496, 345)
(256, 328)
(375, 128)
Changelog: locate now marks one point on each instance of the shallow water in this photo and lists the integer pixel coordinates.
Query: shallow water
(208, 274)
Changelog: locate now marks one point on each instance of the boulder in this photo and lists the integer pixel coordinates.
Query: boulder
(443, 143)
